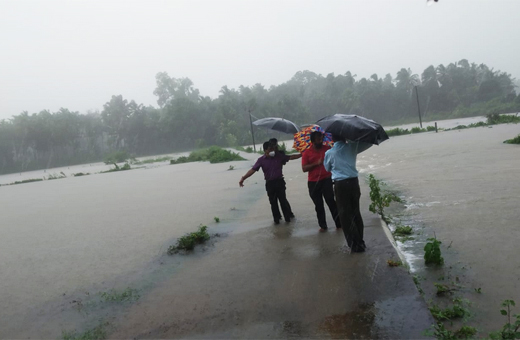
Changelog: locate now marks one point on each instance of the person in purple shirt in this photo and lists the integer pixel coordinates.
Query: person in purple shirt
(272, 163)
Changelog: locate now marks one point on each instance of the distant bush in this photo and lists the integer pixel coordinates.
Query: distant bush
(515, 140)
(459, 127)
(117, 157)
(417, 130)
(496, 118)
(213, 154)
(430, 128)
(397, 132)
(117, 168)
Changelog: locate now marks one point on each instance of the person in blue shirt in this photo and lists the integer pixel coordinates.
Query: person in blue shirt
(340, 160)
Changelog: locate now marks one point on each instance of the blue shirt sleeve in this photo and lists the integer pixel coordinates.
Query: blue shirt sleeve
(328, 160)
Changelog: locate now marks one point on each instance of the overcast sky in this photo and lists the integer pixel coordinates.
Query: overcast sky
(77, 54)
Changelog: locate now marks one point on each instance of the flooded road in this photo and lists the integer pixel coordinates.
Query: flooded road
(464, 186)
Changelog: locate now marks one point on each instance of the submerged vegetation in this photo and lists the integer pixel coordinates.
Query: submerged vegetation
(189, 241)
(113, 295)
(97, 333)
(213, 154)
(515, 140)
(118, 168)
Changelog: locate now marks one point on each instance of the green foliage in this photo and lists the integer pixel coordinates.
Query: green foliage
(128, 294)
(217, 220)
(430, 128)
(441, 288)
(496, 118)
(432, 252)
(97, 333)
(283, 148)
(28, 181)
(515, 140)
(397, 132)
(189, 241)
(511, 330)
(380, 198)
(403, 230)
(213, 154)
(456, 311)
(116, 157)
(231, 167)
(465, 332)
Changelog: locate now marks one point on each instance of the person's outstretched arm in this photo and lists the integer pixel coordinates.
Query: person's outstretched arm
(295, 156)
(247, 175)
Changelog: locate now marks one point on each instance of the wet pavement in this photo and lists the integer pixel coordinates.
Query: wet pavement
(284, 281)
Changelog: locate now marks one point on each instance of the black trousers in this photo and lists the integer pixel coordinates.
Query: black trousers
(347, 199)
(324, 190)
(276, 192)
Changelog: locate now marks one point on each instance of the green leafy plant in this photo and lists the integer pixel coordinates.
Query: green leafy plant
(478, 290)
(213, 154)
(432, 252)
(457, 310)
(231, 167)
(465, 332)
(403, 230)
(380, 198)
(511, 330)
(118, 168)
(216, 219)
(189, 241)
(442, 288)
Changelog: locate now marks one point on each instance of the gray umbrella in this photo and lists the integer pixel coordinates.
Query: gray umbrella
(354, 128)
(277, 124)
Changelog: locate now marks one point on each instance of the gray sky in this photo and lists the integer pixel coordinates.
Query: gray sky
(77, 54)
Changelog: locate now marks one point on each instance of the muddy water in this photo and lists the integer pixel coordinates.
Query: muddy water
(83, 235)
(464, 186)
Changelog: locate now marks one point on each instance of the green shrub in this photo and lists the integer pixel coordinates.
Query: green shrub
(397, 132)
(403, 230)
(189, 241)
(28, 181)
(380, 198)
(432, 252)
(430, 128)
(496, 118)
(417, 130)
(213, 154)
(515, 140)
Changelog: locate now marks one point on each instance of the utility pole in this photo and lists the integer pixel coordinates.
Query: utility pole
(252, 133)
(418, 106)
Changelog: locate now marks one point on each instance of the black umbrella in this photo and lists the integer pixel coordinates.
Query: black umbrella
(354, 128)
(277, 124)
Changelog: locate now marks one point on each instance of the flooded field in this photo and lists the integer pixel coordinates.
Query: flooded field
(464, 187)
(65, 241)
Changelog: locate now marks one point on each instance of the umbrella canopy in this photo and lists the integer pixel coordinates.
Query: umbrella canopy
(277, 124)
(354, 128)
(302, 139)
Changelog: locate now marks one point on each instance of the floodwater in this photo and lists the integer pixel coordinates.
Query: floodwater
(64, 241)
(463, 187)
(78, 236)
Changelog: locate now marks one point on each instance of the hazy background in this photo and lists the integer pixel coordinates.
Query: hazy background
(77, 54)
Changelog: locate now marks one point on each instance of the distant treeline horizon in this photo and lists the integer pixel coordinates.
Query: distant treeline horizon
(185, 120)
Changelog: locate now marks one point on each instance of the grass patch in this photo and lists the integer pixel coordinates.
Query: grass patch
(97, 333)
(213, 154)
(442, 289)
(28, 181)
(515, 140)
(189, 241)
(128, 294)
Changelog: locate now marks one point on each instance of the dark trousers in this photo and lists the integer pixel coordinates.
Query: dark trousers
(324, 190)
(276, 192)
(347, 199)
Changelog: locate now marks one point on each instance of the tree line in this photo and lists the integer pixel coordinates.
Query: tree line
(186, 120)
